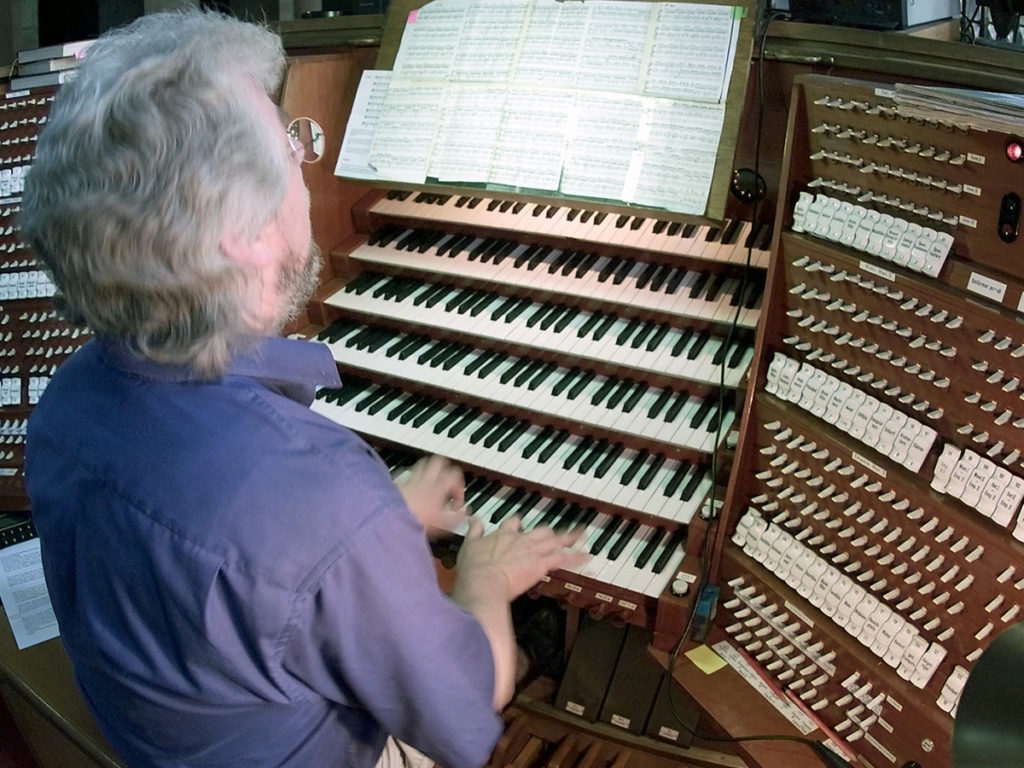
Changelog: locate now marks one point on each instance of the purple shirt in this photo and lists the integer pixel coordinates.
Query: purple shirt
(237, 580)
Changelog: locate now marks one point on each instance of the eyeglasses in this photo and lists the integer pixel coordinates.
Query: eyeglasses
(306, 139)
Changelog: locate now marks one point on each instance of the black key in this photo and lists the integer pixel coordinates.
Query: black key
(606, 535)
(676, 407)
(478, 361)
(511, 502)
(599, 450)
(578, 453)
(492, 365)
(589, 324)
(581, 384)
(541, 376)
(411, 403)
(675, 280)
(382, 402)
(698, 345)
(638, 461)
(514, 369)
(567, 378)
(480, 432)
(527, 373)
(650, 547)
(691, 486)
(732, 231)
(455, 414)
(677, 539)
(606, 271)
(651, 472)
(504, 426)
(620, 392)
(551, 512)
(428, 412)
(644, 278)
(604, 390)
(623, 539)
(510, 439)
(603, 326)
(372, 396)
(567, 317)
(737, 355)
(677, 477)
(702, 412)
(505, 307)
(517, 310)
(682, 342)
(699, 284)
(556, 442)
(532, 447)
(634, 398)
(715, 287)
(658, 337)
(423, 412)
(646, 332)
(457, 428)
(610, 458)
(631, 327)
(659, 403)
(624, 269)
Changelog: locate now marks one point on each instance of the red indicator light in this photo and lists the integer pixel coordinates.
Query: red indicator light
(1014, 151)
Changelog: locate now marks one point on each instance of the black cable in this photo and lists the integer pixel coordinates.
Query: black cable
(826, 755)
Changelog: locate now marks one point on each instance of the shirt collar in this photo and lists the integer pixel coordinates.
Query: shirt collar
(292, 367)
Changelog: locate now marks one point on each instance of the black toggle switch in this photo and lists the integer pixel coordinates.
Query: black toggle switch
(1009, 217)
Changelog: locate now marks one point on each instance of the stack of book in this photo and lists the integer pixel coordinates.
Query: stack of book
(51, 65)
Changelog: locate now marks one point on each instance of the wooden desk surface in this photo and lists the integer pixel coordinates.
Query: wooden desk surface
(738, 710)
(41, 675)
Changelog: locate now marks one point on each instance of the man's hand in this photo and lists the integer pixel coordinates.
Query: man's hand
(434, 489)
(495, 569)
(515, 559)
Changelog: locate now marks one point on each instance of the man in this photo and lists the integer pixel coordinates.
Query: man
(237, 580)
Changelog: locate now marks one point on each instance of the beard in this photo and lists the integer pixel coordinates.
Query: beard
(298, 280)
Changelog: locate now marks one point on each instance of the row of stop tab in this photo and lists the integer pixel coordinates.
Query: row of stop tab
(891, 238)
(851, 410)
(879, 628)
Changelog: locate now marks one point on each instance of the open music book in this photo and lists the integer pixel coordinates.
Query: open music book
(611, 100)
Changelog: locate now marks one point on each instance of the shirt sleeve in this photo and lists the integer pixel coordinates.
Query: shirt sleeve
(377, 632)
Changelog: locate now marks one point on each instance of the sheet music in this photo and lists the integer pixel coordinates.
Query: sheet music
(691, 56)
(468, 132)
(616, 41)
(354, 158)
(488, 47)
(23, 593)
(580, 99)
(552, 44)
(679, 156)
(404, 141)
(427, 46)
(531, 140)
(602, 155)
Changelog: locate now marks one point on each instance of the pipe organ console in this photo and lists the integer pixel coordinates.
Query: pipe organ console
(870, 546)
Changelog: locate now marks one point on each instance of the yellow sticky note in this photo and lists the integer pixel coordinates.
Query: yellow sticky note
(706, 660)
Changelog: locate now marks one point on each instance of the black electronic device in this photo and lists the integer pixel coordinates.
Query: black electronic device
(873, 14)
(15, 528)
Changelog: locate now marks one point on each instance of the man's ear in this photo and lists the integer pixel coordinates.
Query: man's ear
(245, 250)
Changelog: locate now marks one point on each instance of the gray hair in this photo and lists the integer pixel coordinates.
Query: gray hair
(151, 156)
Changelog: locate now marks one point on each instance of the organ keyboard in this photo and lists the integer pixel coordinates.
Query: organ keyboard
(581, 366)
